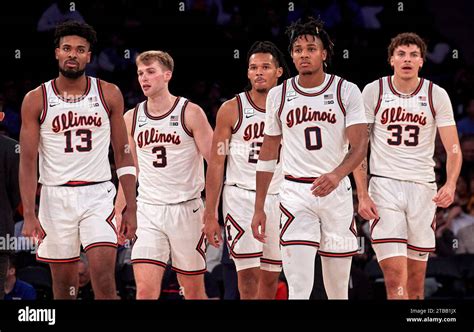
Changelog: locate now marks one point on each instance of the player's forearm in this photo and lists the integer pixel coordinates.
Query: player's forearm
(263, 183)
(129, 189)
(214, 176)
(352, 160)
(123, 156)
(360, 177)
(120, 202)
(453, 166)
(28, 184)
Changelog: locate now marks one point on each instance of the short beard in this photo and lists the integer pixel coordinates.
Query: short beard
(306, 72)
(71, 74)
(261, 90)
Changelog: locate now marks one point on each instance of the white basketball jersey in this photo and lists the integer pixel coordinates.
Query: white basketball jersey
(313, 122)
(403, 136)
(171, 166)
(74, 136)
(244, 147)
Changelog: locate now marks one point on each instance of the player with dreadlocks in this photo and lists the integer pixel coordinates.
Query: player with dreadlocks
(241, 122)
(314, 115)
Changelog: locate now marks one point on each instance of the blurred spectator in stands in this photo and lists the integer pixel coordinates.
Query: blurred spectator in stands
(116, 59)
(466, 240)
(457, 219)
(213, 101)
(16, 289)
(445, 240)
(467, 147)
(59, 11)
(466, 125)
(9, 197)
(9, 105)
(462, 90)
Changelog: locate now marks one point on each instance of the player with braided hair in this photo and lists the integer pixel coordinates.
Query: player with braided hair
(314, 115)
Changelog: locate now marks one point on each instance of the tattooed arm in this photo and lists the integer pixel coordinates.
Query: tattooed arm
(367, 208)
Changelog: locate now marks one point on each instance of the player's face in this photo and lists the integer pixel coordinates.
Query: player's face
(73, 54)
(263, 72)
(406, 61)
(308, 54)
(152, 77)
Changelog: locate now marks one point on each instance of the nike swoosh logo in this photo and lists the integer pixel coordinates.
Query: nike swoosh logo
(288, 99)
(109, 190)
(349, 188)
(420, 254)
(249, 116)
(194, 211)
(52, 105)
(141, 125)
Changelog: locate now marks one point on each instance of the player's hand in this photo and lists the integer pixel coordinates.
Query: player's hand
(211, 229)
(325, 184)
(259, 221)
(118, 223)
(445, 195)
(128, 224)
(32, 229)
(367, 208)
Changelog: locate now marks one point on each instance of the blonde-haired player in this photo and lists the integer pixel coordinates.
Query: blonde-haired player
(168, 136)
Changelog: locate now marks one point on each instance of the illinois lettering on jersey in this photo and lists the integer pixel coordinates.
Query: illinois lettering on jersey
(404, 131)
(244, 147)
(171, 166)
(74, 136)
(313, 122)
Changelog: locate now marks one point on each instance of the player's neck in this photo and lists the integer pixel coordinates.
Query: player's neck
(405, 86)
(160, 103)
(259, 98)
(313, 80)
(71, 86)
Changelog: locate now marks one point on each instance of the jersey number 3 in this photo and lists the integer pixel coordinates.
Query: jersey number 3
(161, 160)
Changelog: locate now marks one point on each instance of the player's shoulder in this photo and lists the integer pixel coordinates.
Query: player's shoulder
(130, 112)
(345, 85)
(35, 98)
(108, 88)
(374, 85)
(436, 89)
(277, 90)
(229, 105)
(192, 107)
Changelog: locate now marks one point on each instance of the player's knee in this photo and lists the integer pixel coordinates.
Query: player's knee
(194, 290)
(268, 281)
(248, 281)
(148, 293)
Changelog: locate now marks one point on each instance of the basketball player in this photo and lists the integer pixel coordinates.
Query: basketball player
(70, 121)
(168, 137)
(240, 126)
(315, 115)
(403, 112)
